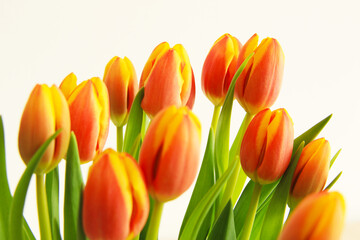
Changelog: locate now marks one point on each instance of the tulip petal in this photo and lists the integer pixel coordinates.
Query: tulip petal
(68, 85)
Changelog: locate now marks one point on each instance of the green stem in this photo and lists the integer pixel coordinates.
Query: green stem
(250, 216)
(119, 138)
(153, 229)
(43, 212)
(215, 117)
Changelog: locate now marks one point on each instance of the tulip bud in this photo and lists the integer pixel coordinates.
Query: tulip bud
(318, 216)
(121, 81)
(89, 113)
(220, 67)
(267, 146)
(311, 171)
(46, 111)
(167, 78)
(259, 84)
(169, 155)
(115, 200)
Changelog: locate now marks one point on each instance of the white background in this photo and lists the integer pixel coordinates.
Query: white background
(42, 42)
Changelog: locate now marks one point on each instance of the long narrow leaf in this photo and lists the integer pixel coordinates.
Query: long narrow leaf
(333, 181)
(224, 227)
(73, 194)
(52, 193)
(17, 205)
(334, 158)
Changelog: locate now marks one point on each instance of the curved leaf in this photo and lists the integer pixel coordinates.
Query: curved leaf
(52, 193)
(224, 227)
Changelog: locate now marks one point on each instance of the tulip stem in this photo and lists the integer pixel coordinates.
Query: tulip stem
(119, 138)
(43, 212)
(215, 117)
(153, 229)
(250, 216)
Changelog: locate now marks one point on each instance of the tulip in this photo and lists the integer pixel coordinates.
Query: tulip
(169, 155)
(311, 171)
(267, 146)
(89, 113)
(121, 81)
(259, 84)
(167, 79)
(318, 216)
(115, 200)
(219, 68)
(46, 111)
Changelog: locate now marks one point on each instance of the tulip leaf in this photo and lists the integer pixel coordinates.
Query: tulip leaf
(197, 217)
(144, 231)
(204, 182)
(52, 193)
(334, 157)
(224, 227)
(135, 122)
(17, 205)
(222, 133)
(73, 193)
(333, 181)
(275, 213)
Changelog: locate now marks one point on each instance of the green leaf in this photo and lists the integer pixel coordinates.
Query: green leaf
(17, 205)
(334, 157)
(197, 217)
(275, 213)
(224, 227)
(73, 193)
(259, 219)
(52, 193)
(204, 182)
(144, 231)
(222, 133)
(133, 127)
(333, 181)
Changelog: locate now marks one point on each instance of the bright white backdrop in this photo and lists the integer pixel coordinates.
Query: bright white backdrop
(42, 42)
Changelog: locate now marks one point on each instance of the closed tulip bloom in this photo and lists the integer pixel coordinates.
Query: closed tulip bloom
(219, 68)
(46, 111)
(318, 216)
(258, 86)
(169, 156)
(115, 200)
(89, 112)
(267, 146)
(168, 79)
(121, 81)
(311, 171)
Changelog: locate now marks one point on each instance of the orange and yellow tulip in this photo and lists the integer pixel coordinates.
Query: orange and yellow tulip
(167, 79)
(89, 113)
(318, 216)
(259, 84)
(46, 111)
(219, 68)
(267, 146)
(311, 171)
(169, 156)
(121, 81)
(115, 200)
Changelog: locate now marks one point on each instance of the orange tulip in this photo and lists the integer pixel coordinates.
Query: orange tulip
(267, 146)
(219, 68)
(89, 112)
(121, 81)
(168, 79)
(311, 171)
(46, 111)
(318, 216)
(259, 84)
(169, 156)
(115, 200)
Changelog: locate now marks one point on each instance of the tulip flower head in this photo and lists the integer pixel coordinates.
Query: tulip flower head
(220, 67)
(311, 171)
(89, 113)
(267, 146)
(167, 79)
(115, 200)
(259, 84)
(318, 216)
(169, 156)
(121, 81)
(46, 111)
